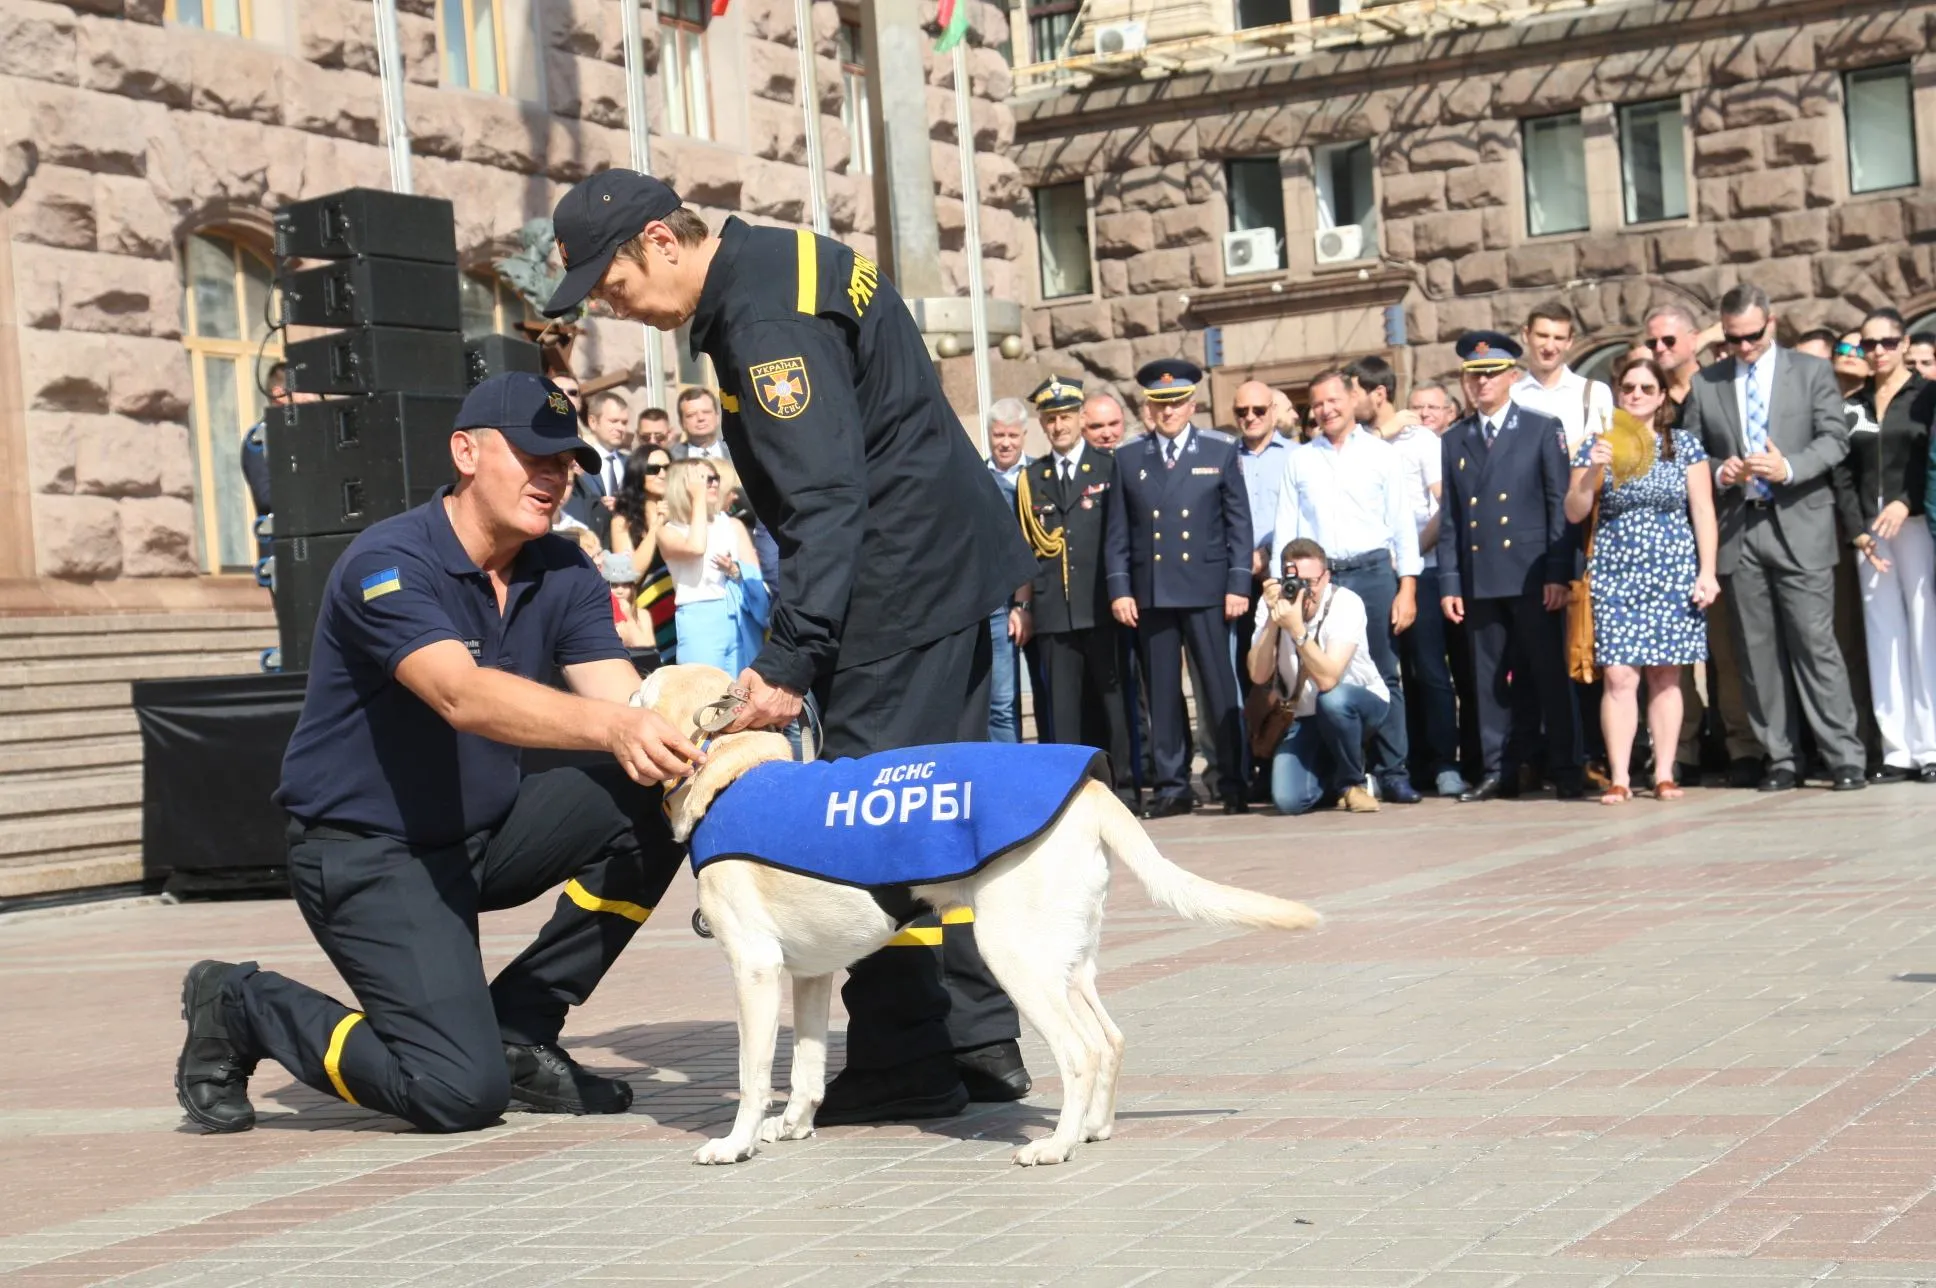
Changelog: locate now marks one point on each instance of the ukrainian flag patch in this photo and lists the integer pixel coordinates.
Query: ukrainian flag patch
(381, 583)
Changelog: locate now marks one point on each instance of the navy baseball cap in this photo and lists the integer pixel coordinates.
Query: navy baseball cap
(593, 220)
(530, 411)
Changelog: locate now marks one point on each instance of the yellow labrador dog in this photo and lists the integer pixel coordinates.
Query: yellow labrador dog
(1038, 920)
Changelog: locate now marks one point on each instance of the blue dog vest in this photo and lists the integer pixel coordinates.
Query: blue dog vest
(917, 816)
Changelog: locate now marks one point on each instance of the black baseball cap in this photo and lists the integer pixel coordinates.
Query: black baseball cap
(530, 411)
(594, 219)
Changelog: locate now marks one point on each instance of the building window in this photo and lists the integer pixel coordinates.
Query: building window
(472, 34)
(1062, 239)
(1653, 161)
(1256, 187)
(682, 62)
(853, 99)
(1347, 206)
(1555, 151)
(1050, 26)
(687, 369)
(224, 325)
(230, 17)
(1882, 128)
(1262, 13)
(491, 306)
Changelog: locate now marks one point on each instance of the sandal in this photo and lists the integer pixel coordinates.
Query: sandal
(1616, 794)
(1668, 790)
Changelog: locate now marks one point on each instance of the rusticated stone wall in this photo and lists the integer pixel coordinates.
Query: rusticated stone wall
(120, 135)
(1761, 92)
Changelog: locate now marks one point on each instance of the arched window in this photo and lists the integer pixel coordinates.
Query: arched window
(224, 328)
(490, 306)
(1598, 363)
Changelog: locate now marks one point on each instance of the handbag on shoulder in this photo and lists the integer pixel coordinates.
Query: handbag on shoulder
(1268, 715)
(1579, 611)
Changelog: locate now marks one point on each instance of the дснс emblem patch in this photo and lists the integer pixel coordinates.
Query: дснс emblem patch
(781, 387)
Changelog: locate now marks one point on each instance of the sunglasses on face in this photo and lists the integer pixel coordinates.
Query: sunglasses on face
(654, 469)
(712, 480)
(1750, 337)
(1640, 389)
(1252, 411)
(1661, 341)
(1848, 350)
(1889, 342)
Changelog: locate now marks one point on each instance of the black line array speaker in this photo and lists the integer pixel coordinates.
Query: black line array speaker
(493, 355)
(303, 565)
(367, 291)
(368, 221)
(340, 465)
(378, 359)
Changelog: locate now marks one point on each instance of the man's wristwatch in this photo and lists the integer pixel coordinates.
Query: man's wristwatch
(1299, 641)
(1021, 606)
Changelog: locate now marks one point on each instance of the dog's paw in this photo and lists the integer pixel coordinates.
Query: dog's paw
(1041, 1153)
(778, 1127)
(723, 1150)
(1103, 1132)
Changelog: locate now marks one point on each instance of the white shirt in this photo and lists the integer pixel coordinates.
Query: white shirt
(1074, 459)
(1340, 619)
(695, 578)
(1425, 465)
(611, 469)
(1350, 501)
(713, 451)
(1583, 407)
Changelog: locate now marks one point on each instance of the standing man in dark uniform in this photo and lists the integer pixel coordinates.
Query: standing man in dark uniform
(1505, 560)
(1063, 511)
(895, 546)
(1178, 568)
(408, 816)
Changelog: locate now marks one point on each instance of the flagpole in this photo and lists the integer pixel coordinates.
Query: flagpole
(971, 237)
(638, 124)
(810, 110)
(389, 68)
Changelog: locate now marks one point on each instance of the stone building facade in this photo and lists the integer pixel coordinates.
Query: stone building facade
(1761, 114)
(137, 141)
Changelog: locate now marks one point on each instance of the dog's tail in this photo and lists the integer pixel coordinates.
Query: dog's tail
(1185, 892)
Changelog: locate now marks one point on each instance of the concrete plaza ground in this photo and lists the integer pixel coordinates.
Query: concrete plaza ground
(1536, 1044)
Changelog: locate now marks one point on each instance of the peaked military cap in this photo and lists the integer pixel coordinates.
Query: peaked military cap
(1057, 393)
(1487, 351)
(1169, 379)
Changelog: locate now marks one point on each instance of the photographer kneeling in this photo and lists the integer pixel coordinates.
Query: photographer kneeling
(1311, 638)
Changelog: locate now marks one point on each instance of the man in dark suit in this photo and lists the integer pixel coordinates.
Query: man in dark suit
(1065, 498)
(1504, 562)
(1771, 420)
(1177, 561)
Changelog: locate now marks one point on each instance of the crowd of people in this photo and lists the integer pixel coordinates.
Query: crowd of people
(1474, 590)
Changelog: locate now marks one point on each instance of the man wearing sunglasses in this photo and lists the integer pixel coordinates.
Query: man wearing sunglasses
(897, 548)
(1772, 421)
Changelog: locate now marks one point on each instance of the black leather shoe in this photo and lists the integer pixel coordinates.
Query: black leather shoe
(993, 1073)
(547, 1081)
(926, 1088)
(1744, 773)
(1491, 787)
(212, 1072)
(1570, 787)
(1235, 805)
(1687, 775)
(1398, 791)
(1927, 774)
(1848, 778)
(1781, 780)
(1164, 807)
(1888, 774)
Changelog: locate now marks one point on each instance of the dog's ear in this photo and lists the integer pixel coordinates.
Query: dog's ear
(730, 757)
(648, 691)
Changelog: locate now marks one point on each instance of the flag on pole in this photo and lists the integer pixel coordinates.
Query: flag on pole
(953, 18)
(719, 8)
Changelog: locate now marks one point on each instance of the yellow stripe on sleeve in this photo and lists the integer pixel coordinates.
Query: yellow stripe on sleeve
(958, 917)
(333, 1057)
(917, 937)
(809, 273)
(590, 902)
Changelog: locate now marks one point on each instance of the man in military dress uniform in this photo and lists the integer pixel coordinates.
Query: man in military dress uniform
(1064, 502)
(1177, 560)
(895, 547)
(1505, 560)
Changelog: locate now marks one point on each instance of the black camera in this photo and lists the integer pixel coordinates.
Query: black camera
(1294, 587)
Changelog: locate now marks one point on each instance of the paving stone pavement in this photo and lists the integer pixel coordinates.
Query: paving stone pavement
(1536, 1044)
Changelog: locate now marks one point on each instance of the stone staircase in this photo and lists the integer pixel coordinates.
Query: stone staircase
(70, 752)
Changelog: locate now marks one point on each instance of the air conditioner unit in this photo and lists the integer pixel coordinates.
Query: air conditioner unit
(1341, 245)
(1120, 38)
(1254, 250)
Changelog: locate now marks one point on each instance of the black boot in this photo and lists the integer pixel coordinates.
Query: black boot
(547, 1081)
(994, 1072)
(212, 1073)
(929, 1087)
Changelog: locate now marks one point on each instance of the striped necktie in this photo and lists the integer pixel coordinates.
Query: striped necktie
(1757, 430)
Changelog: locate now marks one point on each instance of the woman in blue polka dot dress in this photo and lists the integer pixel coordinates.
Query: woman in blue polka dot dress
(1652, 575)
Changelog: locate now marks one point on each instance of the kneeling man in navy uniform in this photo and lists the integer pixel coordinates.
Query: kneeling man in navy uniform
(408, 814)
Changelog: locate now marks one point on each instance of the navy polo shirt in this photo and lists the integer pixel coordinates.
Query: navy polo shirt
(368, 754)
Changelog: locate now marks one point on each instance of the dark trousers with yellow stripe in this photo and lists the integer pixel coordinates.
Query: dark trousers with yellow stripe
(399, 923)
(928, 991)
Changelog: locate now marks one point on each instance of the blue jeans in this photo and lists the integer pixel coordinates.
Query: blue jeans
(1378, 586)
(1004, 687)
(1325, 752)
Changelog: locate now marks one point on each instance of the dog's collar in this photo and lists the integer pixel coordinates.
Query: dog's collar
(707, 724)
